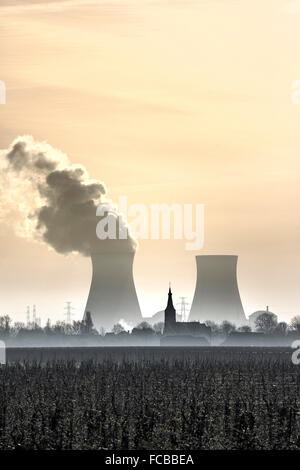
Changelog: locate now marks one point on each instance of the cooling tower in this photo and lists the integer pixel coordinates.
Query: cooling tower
(217, 295)
(112, 295)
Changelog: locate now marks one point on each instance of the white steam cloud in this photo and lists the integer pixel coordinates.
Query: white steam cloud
(45, 197)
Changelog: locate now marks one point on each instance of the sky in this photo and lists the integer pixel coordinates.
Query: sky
(165, 102)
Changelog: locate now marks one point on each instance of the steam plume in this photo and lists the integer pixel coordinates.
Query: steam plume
(45, 197)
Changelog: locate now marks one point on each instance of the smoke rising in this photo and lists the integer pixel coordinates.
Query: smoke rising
(47, 198)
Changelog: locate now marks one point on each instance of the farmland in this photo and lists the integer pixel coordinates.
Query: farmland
(215, 398)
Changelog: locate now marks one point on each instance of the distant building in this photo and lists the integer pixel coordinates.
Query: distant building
(188, 329)
(254, 316)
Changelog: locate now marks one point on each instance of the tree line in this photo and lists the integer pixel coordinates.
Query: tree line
(266, 323)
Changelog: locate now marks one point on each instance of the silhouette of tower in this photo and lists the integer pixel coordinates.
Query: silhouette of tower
(68, 312)
(28, 315)
(34, 314)
(217, 295)
(170, 314)
(183, 308)
(112, 295)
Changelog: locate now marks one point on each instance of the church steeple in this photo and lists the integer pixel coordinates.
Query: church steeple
(170, 300)
(170, 313)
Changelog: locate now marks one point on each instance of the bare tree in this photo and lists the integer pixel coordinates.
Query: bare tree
(227, 327)
(266, 322)
(87, 325)
(213, 326)
(295, 323)
(281, 328)
(59, 328)
(117, 328)
(5, 322)
(101, 331)
(245, 329)
(144, 325)
(17, 327)
(48, 328)
(76, 326)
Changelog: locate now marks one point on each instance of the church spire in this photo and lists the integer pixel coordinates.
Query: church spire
(170, 300)
(170, 314)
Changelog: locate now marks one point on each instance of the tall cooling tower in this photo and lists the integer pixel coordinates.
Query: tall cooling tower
(112, 295)
(217, 295)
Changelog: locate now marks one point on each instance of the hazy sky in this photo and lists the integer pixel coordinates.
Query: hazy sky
(165, 101)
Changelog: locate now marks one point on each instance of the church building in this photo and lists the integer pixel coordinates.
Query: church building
(174, 328)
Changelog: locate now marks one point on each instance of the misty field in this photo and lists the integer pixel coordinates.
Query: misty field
(241, 400)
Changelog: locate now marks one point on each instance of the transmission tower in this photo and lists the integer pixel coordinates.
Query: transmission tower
(183, 308)
(36, 321)
(68, 311)
(34, 314)
(28, 315)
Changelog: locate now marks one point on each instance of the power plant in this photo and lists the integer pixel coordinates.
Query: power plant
(216, 296)
(112, 295)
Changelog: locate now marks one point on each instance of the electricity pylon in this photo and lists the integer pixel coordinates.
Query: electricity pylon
(69, 312)
(183, 308)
